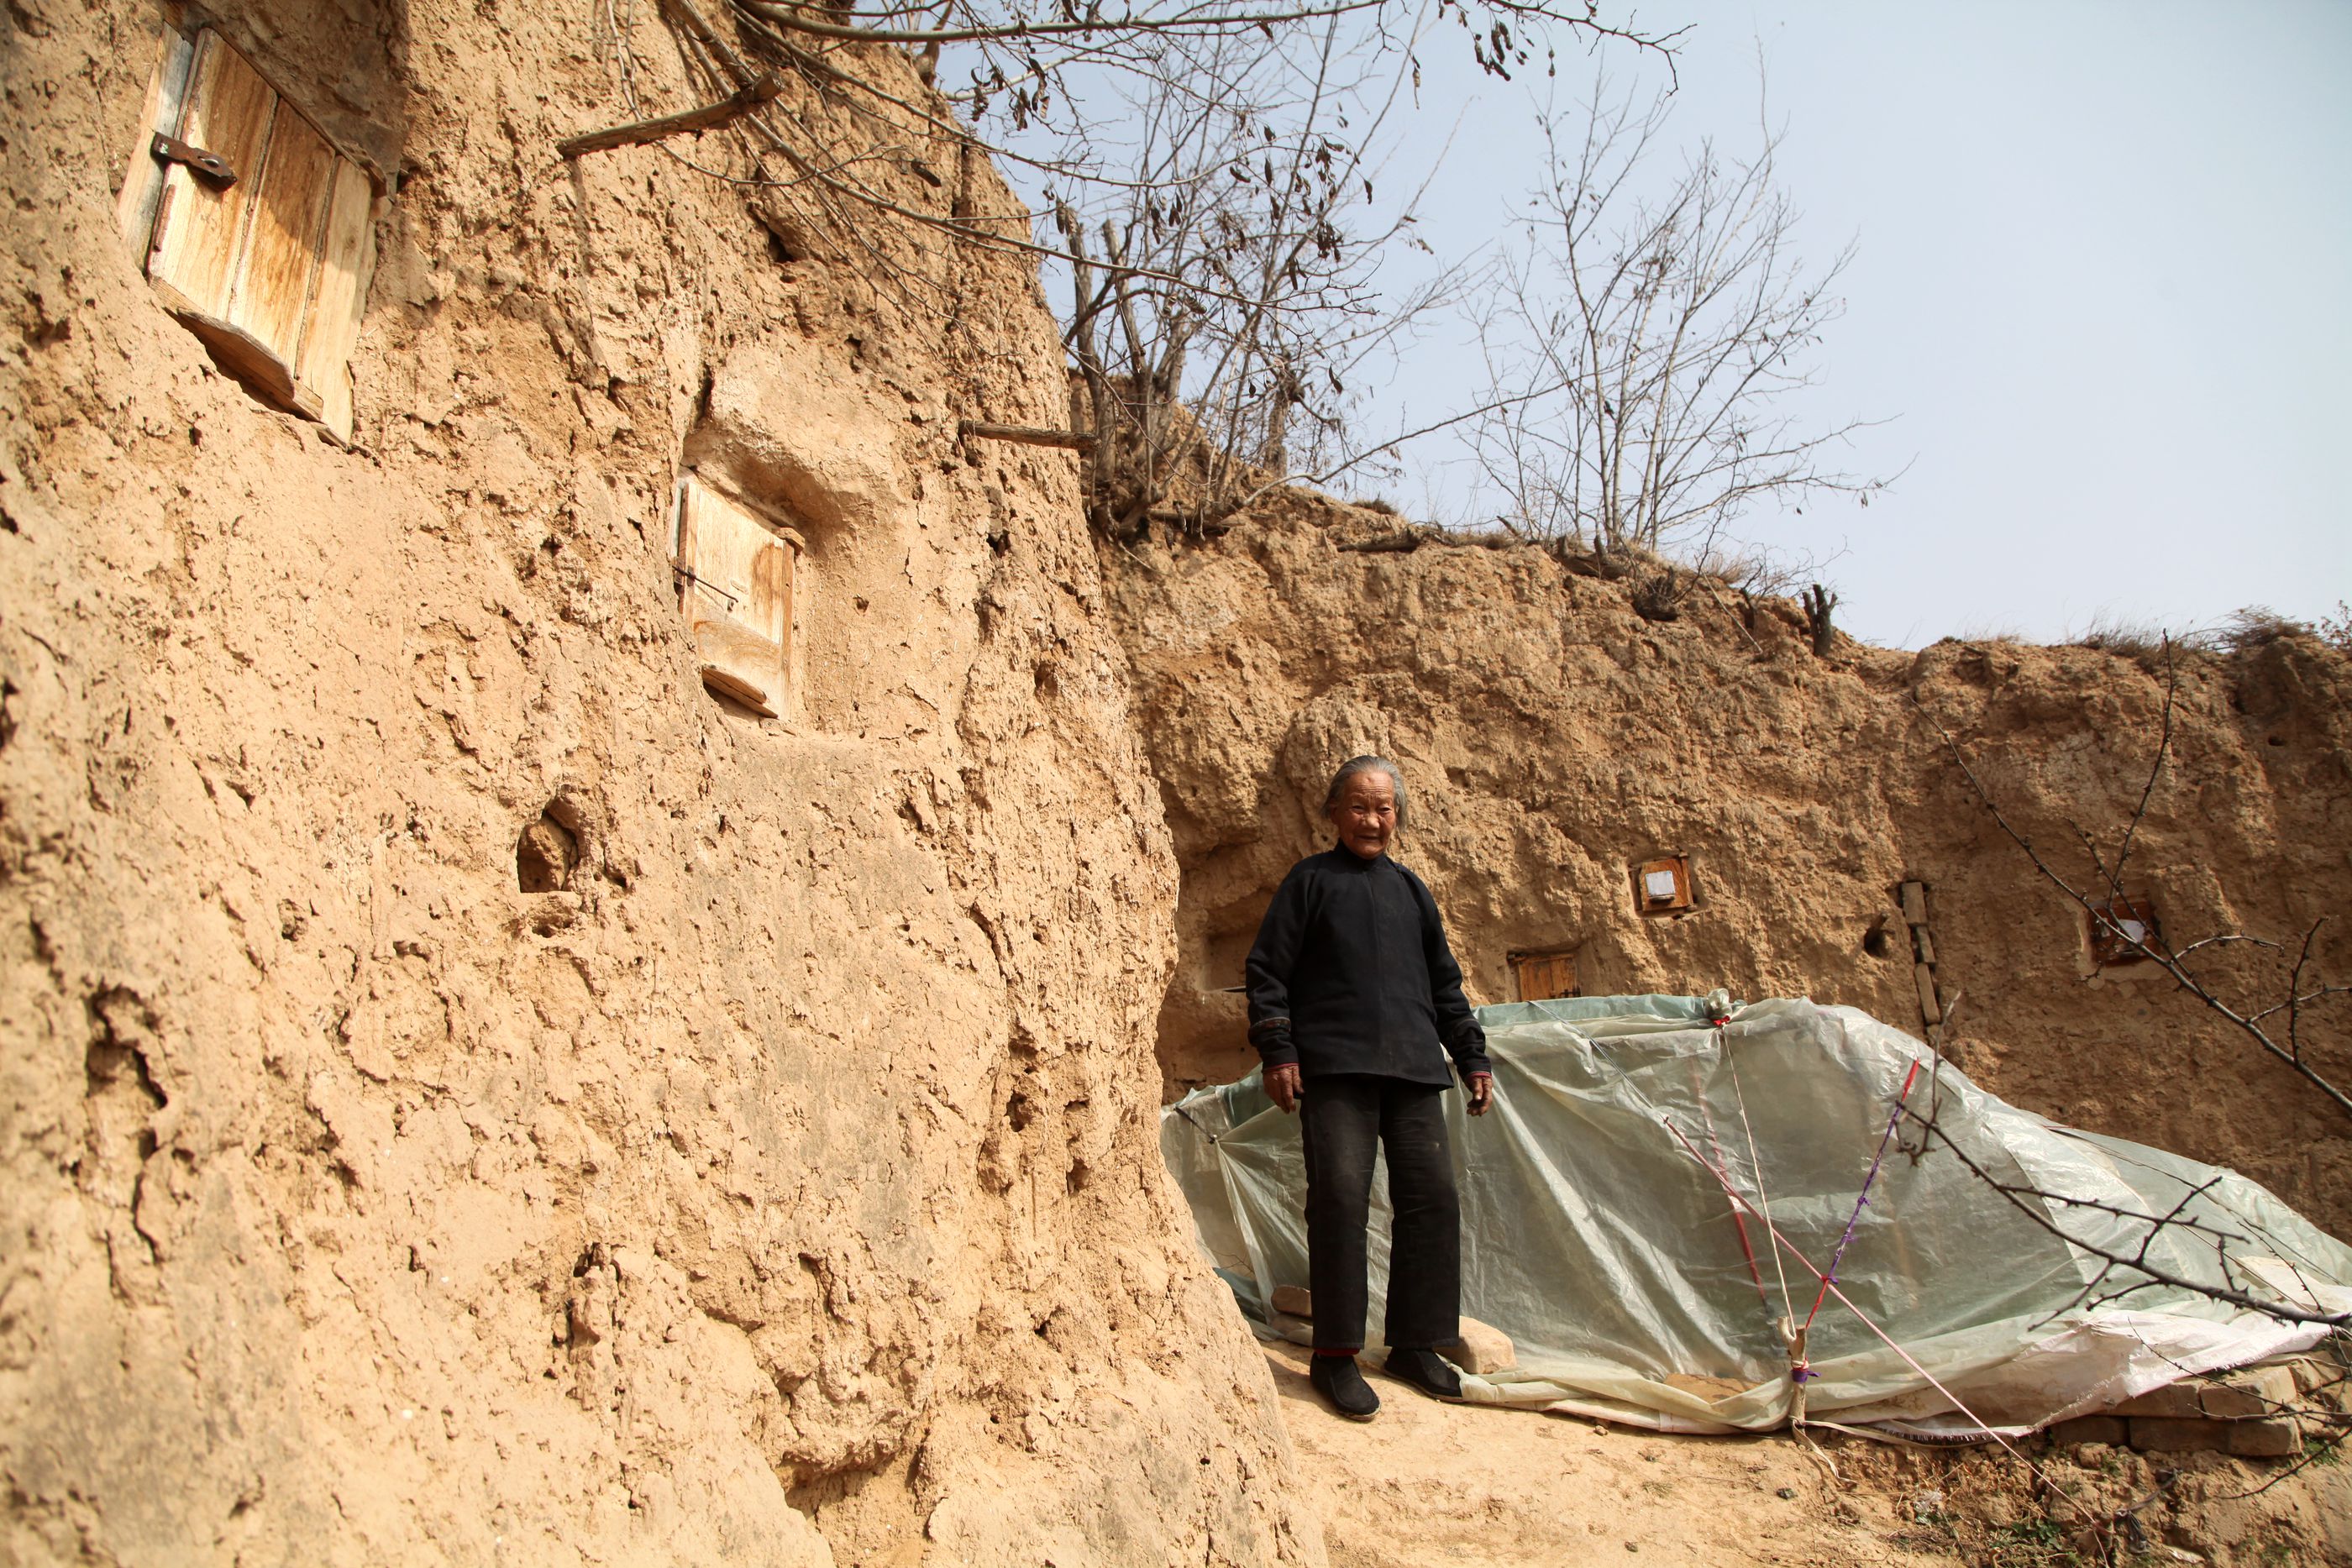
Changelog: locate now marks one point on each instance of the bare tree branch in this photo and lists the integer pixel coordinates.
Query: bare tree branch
(709, 117)
(2031, 1201)
(1651, 341)
(2100, 914)
(1219, 161)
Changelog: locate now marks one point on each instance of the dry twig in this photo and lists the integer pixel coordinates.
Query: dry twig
(2151, 945)
(2031, 1201)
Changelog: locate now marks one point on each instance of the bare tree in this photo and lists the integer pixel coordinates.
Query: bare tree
(1222, 302)
(1819, 603)
(1201, 174)
(1641, 347)
(2157, 1253)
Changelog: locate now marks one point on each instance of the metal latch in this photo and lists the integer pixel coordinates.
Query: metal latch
(680, 573)
(211, 165)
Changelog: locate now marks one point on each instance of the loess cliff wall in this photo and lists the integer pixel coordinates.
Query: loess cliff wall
(470, 1093)
(1551, 738)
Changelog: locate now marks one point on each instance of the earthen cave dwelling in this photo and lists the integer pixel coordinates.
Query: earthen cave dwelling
(505, 1065)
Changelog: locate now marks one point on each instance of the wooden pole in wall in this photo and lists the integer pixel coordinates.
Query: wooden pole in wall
(709, 117)
(1026, 434)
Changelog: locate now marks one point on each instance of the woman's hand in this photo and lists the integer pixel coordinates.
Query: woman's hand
(1482, 1092)
(1282, 1086)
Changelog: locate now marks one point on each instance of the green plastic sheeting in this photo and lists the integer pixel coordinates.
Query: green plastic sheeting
(1595, 1235)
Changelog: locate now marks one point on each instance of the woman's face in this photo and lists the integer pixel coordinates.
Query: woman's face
(1365, 814)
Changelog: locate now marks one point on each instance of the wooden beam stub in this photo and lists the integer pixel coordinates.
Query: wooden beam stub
(1026, 434)
(761, 89)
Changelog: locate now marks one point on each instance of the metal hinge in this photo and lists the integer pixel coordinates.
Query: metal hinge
(210, 165)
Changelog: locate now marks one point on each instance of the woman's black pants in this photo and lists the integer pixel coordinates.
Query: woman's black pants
(1346, 1117)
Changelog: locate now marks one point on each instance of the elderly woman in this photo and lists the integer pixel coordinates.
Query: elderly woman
(1352, 993)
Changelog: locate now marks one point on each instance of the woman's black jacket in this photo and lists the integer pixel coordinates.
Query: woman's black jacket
(1350, 973)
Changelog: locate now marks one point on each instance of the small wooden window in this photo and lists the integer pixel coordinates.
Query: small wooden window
(2116, 927)
(1663, 886)
(268, 263)
(1540, 976)
(736, 572)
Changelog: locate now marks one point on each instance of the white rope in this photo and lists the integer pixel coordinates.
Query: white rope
(1792, 1338)
(1763, 1198)
(1888, 1340)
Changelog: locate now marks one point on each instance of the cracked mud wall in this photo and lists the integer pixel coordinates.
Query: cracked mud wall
(1551, 737)
(468, 1094)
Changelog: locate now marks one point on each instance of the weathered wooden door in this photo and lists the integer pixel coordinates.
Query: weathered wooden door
(270, 266)
(1543, 976)
(735, 578)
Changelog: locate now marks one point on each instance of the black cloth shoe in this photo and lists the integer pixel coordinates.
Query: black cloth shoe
(1425, 1370)
(1342, 1386)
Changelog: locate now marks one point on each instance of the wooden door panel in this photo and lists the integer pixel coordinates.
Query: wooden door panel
(200, 226)
(322, 376)
(736, 589)
(165, 104)
(1542, 977)
(274, 282)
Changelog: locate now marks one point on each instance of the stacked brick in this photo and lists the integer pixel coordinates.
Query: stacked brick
(2255, 1412)
(1923, 952)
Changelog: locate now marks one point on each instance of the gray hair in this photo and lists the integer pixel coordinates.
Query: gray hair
(1355, 766)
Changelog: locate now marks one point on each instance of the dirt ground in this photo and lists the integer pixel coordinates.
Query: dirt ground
(1431, 1483)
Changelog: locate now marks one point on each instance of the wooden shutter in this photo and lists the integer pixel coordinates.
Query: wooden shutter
(735, 576)
(271, 270)
(1544, 975)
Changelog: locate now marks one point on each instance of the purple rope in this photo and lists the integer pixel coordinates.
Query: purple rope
(1861, 1198)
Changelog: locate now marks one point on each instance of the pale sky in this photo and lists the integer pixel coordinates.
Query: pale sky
(2103, 286)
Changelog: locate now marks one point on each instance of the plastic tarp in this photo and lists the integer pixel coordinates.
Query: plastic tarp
(1595, 1234)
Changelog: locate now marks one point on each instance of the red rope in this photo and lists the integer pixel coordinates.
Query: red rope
(1884, 1338)
(1738, 1219)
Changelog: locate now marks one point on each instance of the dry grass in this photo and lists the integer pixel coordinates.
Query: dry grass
(2246, 630)
(2257, 626)
(2336, 630)
(2125, 639)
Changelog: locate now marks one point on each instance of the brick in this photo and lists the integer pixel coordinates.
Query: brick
(1929, 1007)
(2311, 1373)
(1914, 903)
(2108, 1429)
(2272, 1440)
(2275, 1386)
(2162, 1434)
(1924, 944)
(2173, 1401)
(1483, 1349)
(1294, 1300)
(2189, 1400)
(2236, 1396)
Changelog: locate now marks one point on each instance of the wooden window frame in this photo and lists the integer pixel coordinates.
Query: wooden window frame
(271, 269)
(1680, 901)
